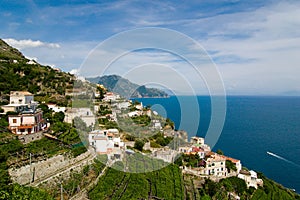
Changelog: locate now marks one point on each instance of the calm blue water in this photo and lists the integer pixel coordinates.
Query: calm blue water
(253, 126)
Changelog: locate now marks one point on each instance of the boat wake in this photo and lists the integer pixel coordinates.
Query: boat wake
(282, 158)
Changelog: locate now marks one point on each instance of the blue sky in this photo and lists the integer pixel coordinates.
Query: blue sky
(255, 44)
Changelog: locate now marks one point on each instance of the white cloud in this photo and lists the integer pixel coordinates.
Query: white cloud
(24, 44)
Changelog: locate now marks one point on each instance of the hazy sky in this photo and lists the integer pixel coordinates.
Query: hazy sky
(254, 44)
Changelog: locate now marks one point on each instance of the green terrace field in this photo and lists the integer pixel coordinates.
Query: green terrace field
(164, 184)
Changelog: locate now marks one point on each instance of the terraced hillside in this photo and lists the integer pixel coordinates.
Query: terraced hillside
(18, 73)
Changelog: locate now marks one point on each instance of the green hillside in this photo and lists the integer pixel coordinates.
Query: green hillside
(17, 74)
(9, 53)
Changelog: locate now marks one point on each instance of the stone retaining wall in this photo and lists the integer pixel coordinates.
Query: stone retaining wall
(42, 169)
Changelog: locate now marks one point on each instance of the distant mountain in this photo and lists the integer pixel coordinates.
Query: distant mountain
(19, 73)
(126, 88)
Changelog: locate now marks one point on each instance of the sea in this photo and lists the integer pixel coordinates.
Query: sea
(262, 132)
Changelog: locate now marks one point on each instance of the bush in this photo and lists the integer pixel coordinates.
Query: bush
(78, 150)
(139, 144)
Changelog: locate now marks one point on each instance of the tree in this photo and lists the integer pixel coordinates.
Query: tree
(44, 108)
(59, 117)
(139, 144)
(230, 166)
(220, 152)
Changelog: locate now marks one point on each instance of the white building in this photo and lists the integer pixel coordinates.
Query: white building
(215, 165)
(31, 62)
(197, 140)
(105, 141)
(134, 113)
(156, 124)
(139, 106)
(250, 177)
(85, 114)
(20, 101)
(20, 97)
(56, 108)
(185, 149)
(123, 105)
(110, 96)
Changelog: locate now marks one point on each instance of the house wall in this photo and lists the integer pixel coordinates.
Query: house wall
(101, 146)
(11, 120)
(20, 99)
(217, 168)
(28, 119)
(238, 166)
(16, 100)
(89, 120)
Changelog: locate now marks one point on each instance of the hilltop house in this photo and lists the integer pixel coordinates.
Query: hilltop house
(28, 119)
(110, 96)
(20, 97)
(197, 140)
(197, 146)
(27, 122)
(215, 165)
(106, 142)
(250, 177)
(85, 114)
(19, 101)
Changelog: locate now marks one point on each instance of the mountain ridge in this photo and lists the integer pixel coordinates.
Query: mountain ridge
(126, 88)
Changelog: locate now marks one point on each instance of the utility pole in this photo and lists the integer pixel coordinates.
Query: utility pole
(30, 168)
(61, 192)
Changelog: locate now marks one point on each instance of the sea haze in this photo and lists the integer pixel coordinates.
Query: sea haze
(253, 127)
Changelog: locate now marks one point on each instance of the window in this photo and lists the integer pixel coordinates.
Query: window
(14, 120)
